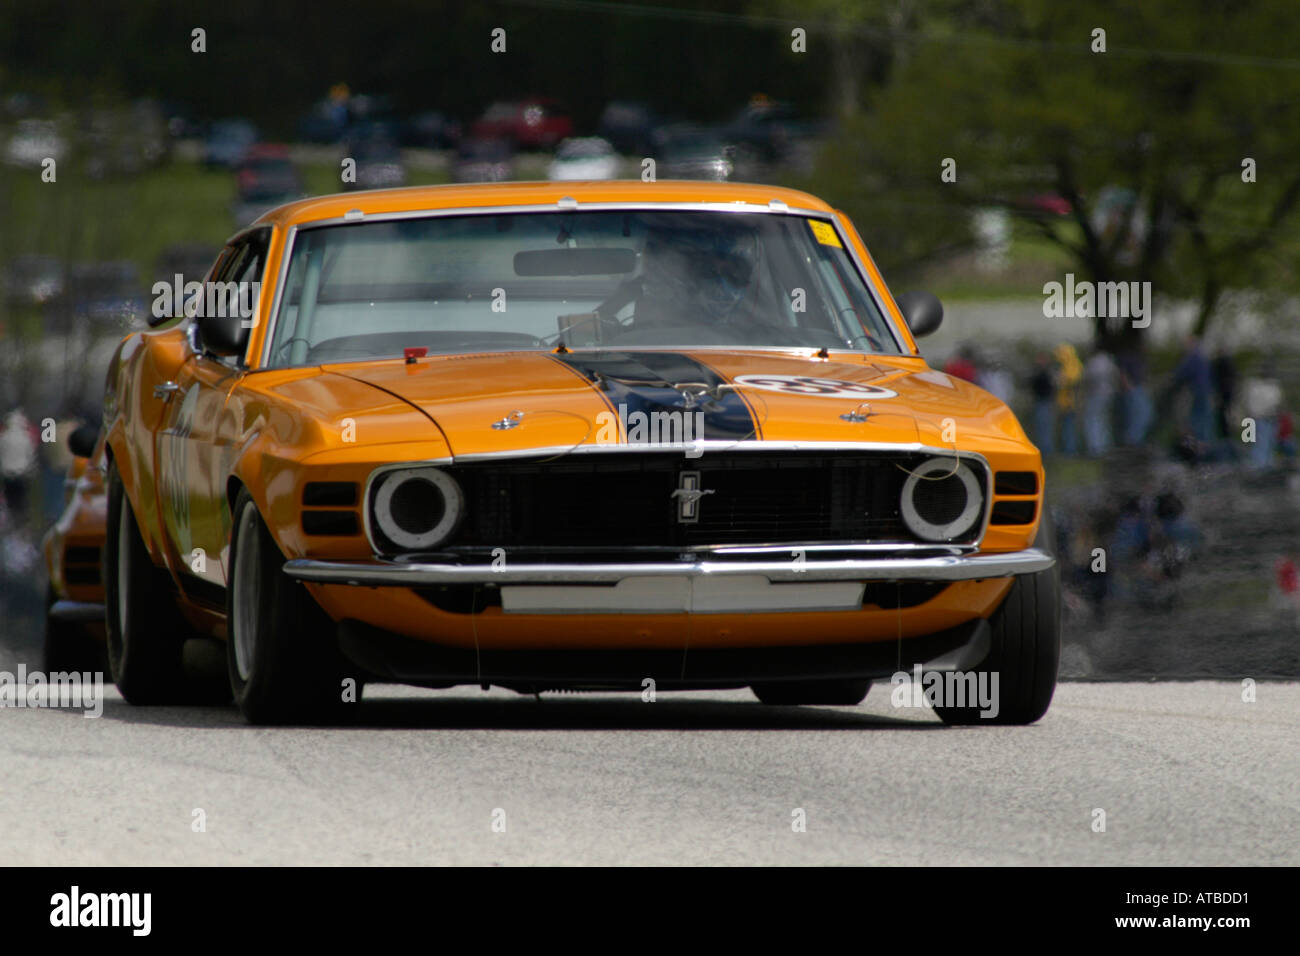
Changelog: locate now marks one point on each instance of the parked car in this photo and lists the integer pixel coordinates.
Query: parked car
(265, 179)
(108, 293)
(629, 127)
(325, 122)
(228, 142)
(431, 130)
(73, 549)
(648, 466)
(533, 123)
(125, 141)
(34, 280)
(587, 157)
(378, 158)
(35, 140)
(694, 152)
(484, 161)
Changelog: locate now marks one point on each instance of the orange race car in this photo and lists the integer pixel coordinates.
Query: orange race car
(74, 606)
(610, 435)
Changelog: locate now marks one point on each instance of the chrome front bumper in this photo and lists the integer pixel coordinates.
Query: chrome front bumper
(412, 575)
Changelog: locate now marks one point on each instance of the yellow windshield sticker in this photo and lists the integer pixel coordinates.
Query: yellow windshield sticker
(824, 233)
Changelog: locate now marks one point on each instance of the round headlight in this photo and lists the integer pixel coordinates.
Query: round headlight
(942, 500)
(418, 508)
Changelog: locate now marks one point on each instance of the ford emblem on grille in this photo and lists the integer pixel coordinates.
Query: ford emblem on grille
(688, 495)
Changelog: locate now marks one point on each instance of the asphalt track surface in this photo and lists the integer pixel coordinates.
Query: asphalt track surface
(1187, 773)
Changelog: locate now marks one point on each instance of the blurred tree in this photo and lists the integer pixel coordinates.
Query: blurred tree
(1141, 142)
(855, 41)
(270, 62)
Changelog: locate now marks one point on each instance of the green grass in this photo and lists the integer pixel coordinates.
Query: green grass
(78, 219)
(1067, 473)
(81, 220)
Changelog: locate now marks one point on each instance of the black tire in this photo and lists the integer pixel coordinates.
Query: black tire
(145, 629)
(69, 646)
(828, 693)
(282, 650)
(1025, 649)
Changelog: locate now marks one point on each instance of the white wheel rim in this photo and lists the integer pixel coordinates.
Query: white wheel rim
(123, 566)
(247, 595)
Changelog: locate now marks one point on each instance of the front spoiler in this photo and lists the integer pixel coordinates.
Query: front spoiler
(390, 657)
(413, 575)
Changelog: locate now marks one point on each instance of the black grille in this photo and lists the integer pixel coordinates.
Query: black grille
(1015, 483)
(1014, 512)
(340, 494)
(337, 523)
(625, 500)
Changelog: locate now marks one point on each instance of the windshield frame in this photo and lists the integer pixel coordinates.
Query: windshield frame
(775, 208)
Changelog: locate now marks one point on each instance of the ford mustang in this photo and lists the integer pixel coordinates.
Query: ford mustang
(74, 614)
(589, 436)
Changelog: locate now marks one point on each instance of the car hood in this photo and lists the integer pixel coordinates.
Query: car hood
(516, 401)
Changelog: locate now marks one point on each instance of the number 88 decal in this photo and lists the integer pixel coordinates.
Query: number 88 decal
(810, 385)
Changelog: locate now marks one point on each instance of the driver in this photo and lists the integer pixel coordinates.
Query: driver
(695, 276)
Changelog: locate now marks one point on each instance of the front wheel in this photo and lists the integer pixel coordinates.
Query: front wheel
(1025, 651)
(282, 653)
(146, 631)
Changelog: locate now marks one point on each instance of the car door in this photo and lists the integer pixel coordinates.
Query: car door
(193, 449)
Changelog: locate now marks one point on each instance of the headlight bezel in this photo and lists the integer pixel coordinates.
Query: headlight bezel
(973, 517)
(386, 536)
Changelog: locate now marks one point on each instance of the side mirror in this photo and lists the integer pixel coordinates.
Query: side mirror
(922, 311)
(186, 310)
(82, 440)
(153, 321)
(223, 334)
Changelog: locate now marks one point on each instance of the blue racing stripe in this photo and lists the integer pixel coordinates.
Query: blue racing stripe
(642, 382)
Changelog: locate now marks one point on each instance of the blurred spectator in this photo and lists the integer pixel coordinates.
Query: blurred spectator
(339, 96)
(1224, 371)
(1286, 435)
(1042, 386)
(57, 453)
(1193, 373)
(1136, 410)
(1131, 539)
(17, 460)
(1287, 595)
(1069, 371)
(1175, 526)
(962, 365)
(996, 379)
(1099, 378)
(1263, 403)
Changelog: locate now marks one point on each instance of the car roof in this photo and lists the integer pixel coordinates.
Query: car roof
(475, 195)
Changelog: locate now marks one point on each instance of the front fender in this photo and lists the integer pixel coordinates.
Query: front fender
(284, 442)
(133, 417)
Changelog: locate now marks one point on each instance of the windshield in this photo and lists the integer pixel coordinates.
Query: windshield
(617, 279)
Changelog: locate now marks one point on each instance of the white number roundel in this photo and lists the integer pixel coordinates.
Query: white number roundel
(815, 387)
